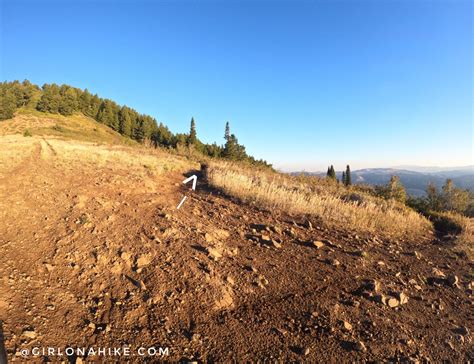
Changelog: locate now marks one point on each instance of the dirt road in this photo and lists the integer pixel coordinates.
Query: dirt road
(97, 256)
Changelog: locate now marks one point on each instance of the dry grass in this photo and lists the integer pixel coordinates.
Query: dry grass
(457, 225)
(73, 127)
(335, 206)
(149, 160)
(465, 240)
(71, 155)
(13, 149)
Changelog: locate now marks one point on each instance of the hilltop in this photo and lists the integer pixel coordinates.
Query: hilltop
(54, 100)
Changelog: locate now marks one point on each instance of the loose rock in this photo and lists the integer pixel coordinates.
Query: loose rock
(316, 244)
(393, 302)
(360, 346)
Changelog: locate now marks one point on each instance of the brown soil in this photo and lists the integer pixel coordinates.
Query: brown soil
(100, 257)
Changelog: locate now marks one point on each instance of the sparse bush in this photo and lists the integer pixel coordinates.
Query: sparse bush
(450, 199)
(27, 133)
(394, 190)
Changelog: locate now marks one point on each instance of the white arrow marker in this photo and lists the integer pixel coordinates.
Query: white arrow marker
(182, 201)
(192, 178)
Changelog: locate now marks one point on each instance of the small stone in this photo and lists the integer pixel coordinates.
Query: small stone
(30, 334)
(334, 262)
(373, 285)
(230, 280)
(380, 298)
(347, 326)
(300, 350)
(277, 230)
(262, 281)
(143, 261)
(214, 253)
(438, 273)
(450, 344)
(360, 346)
(402, 297)
(317, 244)
(49, 267)
(276, 244)
(265, 239)
(393, 302)
(281, 331)
(453, 280)
(251, 268)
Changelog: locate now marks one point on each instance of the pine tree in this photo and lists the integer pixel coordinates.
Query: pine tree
(395, 189)
(125, 122)
(348, 180)
(107, 114)
(232, 149)
(68, 103)
(331, 173)
(192, 139)
(7, 105)
(433, 198)
(227, 131)
(50, 100)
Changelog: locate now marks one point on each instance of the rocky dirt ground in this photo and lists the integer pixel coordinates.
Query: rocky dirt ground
(98, 256)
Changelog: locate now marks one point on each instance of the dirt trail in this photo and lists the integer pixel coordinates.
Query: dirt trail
(98, 256)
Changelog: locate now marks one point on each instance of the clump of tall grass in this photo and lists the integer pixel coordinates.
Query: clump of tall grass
(334, 205)
(453, 224)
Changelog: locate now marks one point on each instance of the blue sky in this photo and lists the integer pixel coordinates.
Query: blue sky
(303, 84)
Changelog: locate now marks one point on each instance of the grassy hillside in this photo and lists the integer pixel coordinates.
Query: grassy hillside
(349, 209)
(73, 127)
(65, 100)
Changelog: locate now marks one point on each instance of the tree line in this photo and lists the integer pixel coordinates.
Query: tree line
(66, 100)
(346, 178)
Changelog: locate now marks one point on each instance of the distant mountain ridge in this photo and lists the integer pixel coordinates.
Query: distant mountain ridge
(415, 182)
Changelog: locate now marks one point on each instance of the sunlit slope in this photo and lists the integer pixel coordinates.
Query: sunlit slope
(75, 127)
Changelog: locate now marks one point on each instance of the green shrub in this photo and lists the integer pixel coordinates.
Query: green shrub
(27, 133)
